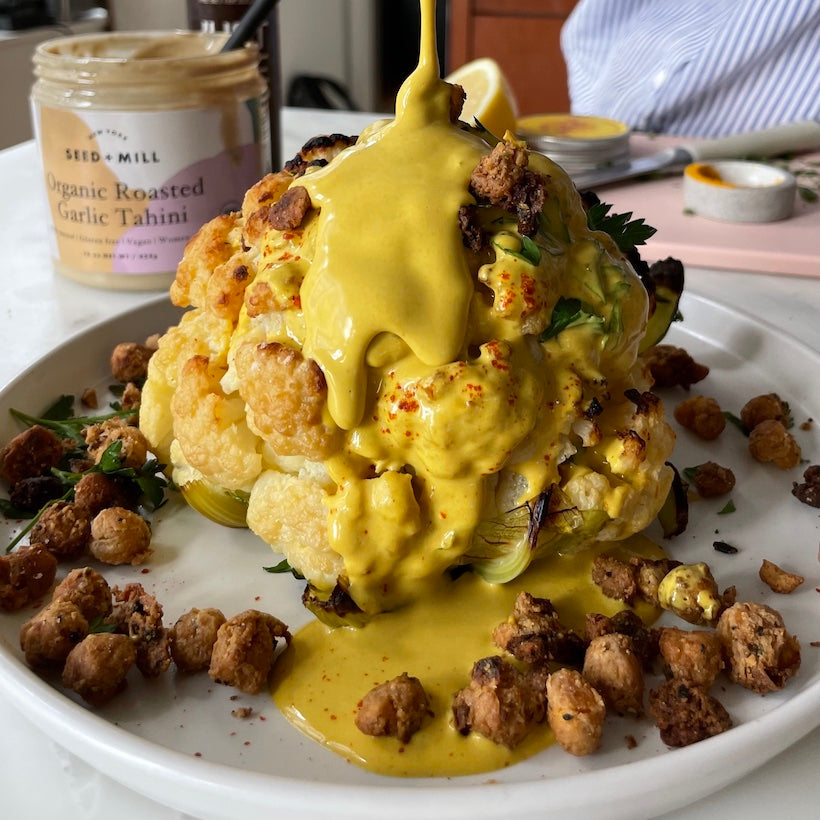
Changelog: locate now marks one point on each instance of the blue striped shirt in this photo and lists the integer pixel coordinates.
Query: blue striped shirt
(695, 67)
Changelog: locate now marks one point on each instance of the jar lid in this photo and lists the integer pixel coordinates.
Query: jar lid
(577, 143)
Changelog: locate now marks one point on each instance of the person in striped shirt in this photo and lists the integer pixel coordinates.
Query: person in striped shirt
(703, 68)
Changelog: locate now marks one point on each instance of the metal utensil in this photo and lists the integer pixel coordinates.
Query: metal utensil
(782, 139)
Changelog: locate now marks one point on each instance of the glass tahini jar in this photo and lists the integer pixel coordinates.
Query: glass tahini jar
(144, 137)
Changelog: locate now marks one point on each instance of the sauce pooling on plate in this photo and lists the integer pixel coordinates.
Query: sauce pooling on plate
(325, 672)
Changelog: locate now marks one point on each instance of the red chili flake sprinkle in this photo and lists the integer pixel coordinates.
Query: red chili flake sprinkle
(145, 570)
(443, 514)
(408, 404)
(247, 743)
(815, 643)
(197, 754)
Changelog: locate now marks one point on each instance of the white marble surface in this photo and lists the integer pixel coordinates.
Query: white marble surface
(38, 310)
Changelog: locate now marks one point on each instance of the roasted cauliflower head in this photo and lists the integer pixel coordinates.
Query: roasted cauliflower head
(391, 368)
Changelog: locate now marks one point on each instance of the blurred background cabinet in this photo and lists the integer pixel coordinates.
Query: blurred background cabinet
(523, 37)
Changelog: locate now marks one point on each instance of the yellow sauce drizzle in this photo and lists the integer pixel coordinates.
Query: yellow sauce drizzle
(352, 291)
(323, 675)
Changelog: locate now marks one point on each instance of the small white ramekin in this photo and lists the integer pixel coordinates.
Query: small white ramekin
(739, 191)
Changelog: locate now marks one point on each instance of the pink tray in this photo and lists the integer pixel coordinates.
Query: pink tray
(791, 246)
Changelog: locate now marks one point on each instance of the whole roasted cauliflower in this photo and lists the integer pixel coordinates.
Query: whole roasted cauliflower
(408, 354)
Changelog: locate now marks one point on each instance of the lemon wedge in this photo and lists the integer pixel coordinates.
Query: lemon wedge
(489, 96)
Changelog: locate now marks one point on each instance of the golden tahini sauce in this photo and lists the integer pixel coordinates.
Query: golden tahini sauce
(414, 172)
(323, 675)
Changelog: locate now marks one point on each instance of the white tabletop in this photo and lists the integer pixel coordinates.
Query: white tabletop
(38, 310)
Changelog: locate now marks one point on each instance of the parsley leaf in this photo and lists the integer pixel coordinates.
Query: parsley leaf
(728, 508)
(625, 231)
(58, 418)
(282, 567)
(733, 419)
(566, 313)
(99, 624)
(530, 252)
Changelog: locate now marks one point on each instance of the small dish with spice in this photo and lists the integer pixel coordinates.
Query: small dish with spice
(739, 191)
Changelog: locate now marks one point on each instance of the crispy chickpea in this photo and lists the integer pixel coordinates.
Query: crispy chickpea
(613, 668)
(138, 614)
(808, 491)
(97, 667)
(396, 708)
(770, 441)
(119, 536)
(671, 366)
(702, 415)
(686, 714)
(30, 453)
(761, 654)
(96, 491)
(693, 656)
(243, 654)
(762, 408)
(48, 637)
(575, 711)
(777, 579)
(500, 702)
(35, 492)
(712, 480)
(129, 362)
(193, 637)
(25, 575)
(690, 591)
(87, 590)
(98, 437)
(63, 529)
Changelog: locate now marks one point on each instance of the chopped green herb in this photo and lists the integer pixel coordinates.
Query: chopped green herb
(728, 508)
(566, 313)
(733, 419)
(530, 252)
(66, 426)
(625, 231)
(10, 511)
(284, 567)
(99, 624)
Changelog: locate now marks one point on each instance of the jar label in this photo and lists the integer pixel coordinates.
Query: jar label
(127, 189)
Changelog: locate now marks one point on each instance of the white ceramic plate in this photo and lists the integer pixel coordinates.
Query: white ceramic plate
(176, 741)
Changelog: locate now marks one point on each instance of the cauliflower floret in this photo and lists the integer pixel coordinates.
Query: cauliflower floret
(197, 334)
(212, 245)
(211, 428)
(286, 396)
(289, 513)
